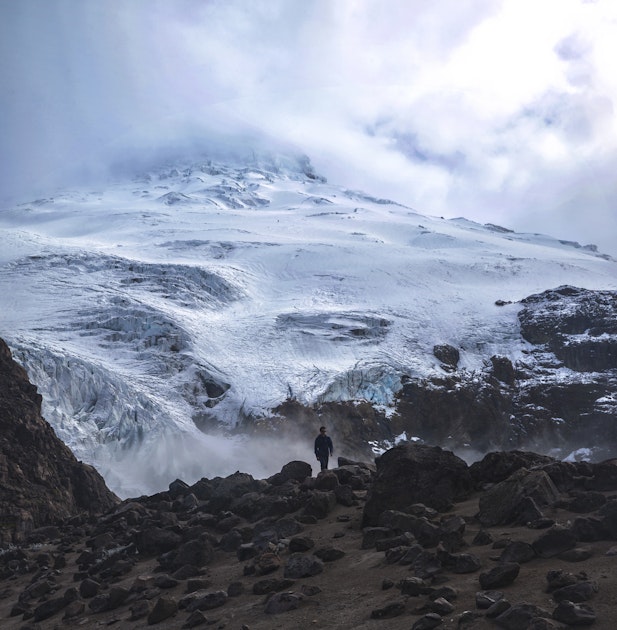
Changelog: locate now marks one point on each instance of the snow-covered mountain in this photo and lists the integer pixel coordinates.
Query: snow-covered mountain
(152, 311)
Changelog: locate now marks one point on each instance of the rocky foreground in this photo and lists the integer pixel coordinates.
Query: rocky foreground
(415, 540)
(420, 540)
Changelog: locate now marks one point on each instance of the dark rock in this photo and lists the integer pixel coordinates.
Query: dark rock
(441, 606)
(517, 551)
(503, 370)
(163, 609)
(578, 554)
(554, 541)
(389, 611)
(282, 602)
(74, 609)
(447, 354)
(196, 618)
(196, 552)
(485, 599)
(320, 504)
(370, 536)
(412, 473)
(465, 563)
(186, 571)
(427, 622)
(156, 540)
(503, 503)
(519, 616)
(413, 586)
(446, 592)
(139, 609)
(482, 538)
(558, 579)
(329, 554)
(201, 585)
(299, 566)
(577, 593)
(574, 614)
(49, 608)
(203, 600)
(499, 576)
(165, 581)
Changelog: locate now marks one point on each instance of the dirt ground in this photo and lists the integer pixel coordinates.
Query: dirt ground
(350, 588)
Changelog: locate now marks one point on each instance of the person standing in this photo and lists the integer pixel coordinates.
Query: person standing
(323, 447)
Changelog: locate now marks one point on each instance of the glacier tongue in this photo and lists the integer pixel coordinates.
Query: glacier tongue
(207, 293)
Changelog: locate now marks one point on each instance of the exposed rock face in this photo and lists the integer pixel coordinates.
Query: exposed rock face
(561, 396)
(41, 481)
(579, 326)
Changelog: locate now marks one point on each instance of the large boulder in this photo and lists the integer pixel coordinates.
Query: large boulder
(414, 473)
(497, 466)
(508, 501)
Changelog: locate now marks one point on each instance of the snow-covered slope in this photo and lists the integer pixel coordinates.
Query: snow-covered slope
(204, 292)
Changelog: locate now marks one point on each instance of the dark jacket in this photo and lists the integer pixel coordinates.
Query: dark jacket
(323, 446)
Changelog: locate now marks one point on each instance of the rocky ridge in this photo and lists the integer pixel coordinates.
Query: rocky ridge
(41, 481)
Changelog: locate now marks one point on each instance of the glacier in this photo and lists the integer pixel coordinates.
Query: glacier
(163, 308)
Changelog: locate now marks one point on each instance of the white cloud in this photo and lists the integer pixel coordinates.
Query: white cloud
(498, 110)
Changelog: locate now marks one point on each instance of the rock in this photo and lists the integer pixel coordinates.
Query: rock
(503, 503)
(517, 551)
(441, 606)
(413, 586)
(140, 609)
(163, 609)
(389, 611)
(413, 473)
(554, 541)
(519, 616)
(447, 354)
(282, 602)
(300, 566)
(574, 614)
(329, 554)
(203, 600)
(49, 608)
(501, 575)
(577, 593)
(465, 563)
(485, 599)
(320, 504)
(427, 622)
(558, 579)
(196, 618)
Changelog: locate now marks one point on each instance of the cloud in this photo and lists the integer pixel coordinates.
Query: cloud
(499, 110)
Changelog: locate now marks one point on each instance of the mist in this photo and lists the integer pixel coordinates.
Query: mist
(501, 111)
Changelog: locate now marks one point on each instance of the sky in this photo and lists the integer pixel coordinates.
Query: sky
(501, 111)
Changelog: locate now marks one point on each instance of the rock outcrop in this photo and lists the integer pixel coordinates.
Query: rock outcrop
(41, 481)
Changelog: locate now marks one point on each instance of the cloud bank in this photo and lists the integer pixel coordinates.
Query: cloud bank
(502, 111)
